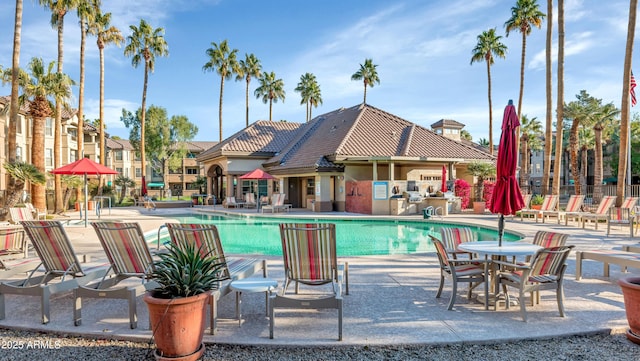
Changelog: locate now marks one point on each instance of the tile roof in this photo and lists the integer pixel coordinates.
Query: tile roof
(123, 144)
(365, 132)
(447, 122)
(262, 137)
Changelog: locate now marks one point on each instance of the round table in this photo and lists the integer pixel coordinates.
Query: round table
(266, 285)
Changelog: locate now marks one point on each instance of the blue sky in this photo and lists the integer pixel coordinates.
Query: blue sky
(422, 49)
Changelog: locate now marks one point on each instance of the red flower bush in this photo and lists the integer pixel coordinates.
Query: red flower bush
(462, 189)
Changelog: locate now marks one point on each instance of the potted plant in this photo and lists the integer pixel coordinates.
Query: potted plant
(536, 201)
(481, 171)
(177, 308)
(631, 291)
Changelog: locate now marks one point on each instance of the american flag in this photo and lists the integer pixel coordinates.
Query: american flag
(632, 90)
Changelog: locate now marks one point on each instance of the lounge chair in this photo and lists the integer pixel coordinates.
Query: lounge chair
(19, 214)
(549, 203)
(250, 200)
(527, 202)
(59, 261)
(601, 213)
(452, 237)
(277, 203)
(621, 217)
(623, 259)
(230, 202)
(14, 252)
(36, 212)
(458, 270)
(129, 256)
(545, 272)
(236, 268)
(309, 253)
(573, 206)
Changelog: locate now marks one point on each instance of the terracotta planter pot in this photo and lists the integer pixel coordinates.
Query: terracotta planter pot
(478, 207)
(177, 325)
(536, 206)
(631, 291)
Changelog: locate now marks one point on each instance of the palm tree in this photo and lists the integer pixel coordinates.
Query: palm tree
(223, 61)
(309, 91)
(124, 183)
(368, 74)
(248, 68)
(72, 182)
(586, 142)
(484, 142)
(488, 46)
(270, 89)
(42, 84)
(22, 173)
(578, 111)
(624, 115)
(557, 166)
(144, 45)
(59, 8)
(14, 107)
(602, 128)
(464, 134)
(86, 14)
(106, 34)
(548, 130)
(524, 16)
(529, 140)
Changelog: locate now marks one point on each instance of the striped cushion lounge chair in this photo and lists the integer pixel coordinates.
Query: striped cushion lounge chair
(277, 203)
(573, 206)
(309, 254)
(549, 203)
(230, 202)
(452, 237)
(14, 252)
(545, 272)
(36, 212)
(207, 238)
(623, 259)
(19, 214)
(59, 261)
(601, 213)
(474, 273)
(621, 217)
(129, 257)
(527, 202)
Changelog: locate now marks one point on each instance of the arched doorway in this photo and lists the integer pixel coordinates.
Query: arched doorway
(218, 182)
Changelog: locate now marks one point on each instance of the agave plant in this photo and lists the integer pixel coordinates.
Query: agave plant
(186, 270)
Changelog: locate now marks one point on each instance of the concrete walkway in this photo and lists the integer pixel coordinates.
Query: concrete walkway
(392, 298)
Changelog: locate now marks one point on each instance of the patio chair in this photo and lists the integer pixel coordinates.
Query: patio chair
(457, 270)
(129, 257)
(236, 268)
(549, 203)
(621, 217)
(601, 213)
(230, 202)
(309, 254)
(527, 202)
(19, 214)
(59, 261)
(250, 200)
(276, 202)
(14, 252)
(573, 205)
(36, 212)
(546, 272)
(452, 237)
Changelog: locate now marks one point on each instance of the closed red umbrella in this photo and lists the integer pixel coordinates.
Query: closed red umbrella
(143, 190)
(507, 197)
(84, 166)
(443, 187)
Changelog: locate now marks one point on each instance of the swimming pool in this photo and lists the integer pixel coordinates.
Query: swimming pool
(355, 237)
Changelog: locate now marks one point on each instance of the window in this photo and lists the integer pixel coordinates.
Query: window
(311, 184)
(192, 170)
(48, 127)
(118, 155)
(119, 170)
(19, 153)
(73, 132)
(73, 156)
(48, 157)
(190, 155)
(88, 138)
(538, 168)
(138, 172)
(19, 126)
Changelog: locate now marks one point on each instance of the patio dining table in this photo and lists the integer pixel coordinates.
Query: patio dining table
(493, 249)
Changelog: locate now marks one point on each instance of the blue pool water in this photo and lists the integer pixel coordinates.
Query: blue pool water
(355, 237)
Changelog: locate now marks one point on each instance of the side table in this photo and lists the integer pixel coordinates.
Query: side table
(265, 285)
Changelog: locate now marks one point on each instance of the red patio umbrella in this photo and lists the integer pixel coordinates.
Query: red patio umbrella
(443, 187)
(507, 197)
(84, 166)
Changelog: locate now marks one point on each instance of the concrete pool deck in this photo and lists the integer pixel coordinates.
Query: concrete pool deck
(391, 301)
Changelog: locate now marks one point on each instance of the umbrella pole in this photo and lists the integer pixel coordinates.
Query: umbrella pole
(500, 229)
(86, 202)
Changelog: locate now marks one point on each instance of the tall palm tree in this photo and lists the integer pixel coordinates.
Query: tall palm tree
(557, 166)
(368, 74)
(248, 68)
(222, 60)
(624, 115)
(14, 107)
(59, 8)
(580, 110)
(488, 47)
(106, 34)
(548, 130)
(309, 92)
(270, 89)
(41, 85)
(144, 45)
(586, 142)
(524, 16)
(529, 140)
(86, 13)
(604, 123)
